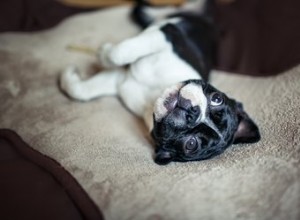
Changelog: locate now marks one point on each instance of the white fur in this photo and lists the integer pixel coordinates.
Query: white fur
(102, 84)
(160, 110)
(153, 67)
(195, 94)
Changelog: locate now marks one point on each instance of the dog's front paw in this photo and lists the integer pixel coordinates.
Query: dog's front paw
(70, 83)
(104, 57)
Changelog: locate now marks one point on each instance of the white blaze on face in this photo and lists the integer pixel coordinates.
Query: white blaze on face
(160, 110)
(195, 94)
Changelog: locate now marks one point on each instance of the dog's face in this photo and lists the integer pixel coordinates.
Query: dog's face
(195, 121)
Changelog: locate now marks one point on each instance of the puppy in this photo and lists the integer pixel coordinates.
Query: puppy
(165, 83)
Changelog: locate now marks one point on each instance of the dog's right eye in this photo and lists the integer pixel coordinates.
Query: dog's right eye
(191, 144)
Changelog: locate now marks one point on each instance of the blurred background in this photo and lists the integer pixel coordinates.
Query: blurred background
(257, 37)
(32, 15)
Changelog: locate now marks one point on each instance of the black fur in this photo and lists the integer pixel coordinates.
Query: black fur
(179, 136)
(171, 138)
(139, 16)
(194, 40)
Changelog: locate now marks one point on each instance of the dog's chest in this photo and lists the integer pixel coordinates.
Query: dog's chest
(162, 69)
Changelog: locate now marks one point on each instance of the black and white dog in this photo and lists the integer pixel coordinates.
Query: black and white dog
(165, 83)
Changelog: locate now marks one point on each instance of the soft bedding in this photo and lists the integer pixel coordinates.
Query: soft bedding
(109, 152)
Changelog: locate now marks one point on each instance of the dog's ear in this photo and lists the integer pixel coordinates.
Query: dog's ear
(247, 131)
(163, 157)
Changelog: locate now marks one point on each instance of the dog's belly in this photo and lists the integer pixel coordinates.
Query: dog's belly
(161, 70)
(148, 77)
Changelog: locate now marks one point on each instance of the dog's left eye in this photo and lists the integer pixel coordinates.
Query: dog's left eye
(216, 99)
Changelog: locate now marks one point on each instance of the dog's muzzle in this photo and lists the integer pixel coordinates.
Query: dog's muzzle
(180, 99)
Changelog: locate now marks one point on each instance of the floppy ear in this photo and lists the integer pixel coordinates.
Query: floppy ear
(163, 157)
(247, 131)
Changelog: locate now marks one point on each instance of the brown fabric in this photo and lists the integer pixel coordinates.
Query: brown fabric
(32, 15)
(33, 186)
(259, 37)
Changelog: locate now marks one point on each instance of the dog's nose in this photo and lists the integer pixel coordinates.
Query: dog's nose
(195, 110)
(193, 113)
(184, 103)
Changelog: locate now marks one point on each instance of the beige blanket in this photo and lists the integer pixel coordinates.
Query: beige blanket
(108, 150)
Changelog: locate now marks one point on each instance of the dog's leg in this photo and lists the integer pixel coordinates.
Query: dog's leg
(130, 50)
(102, 84)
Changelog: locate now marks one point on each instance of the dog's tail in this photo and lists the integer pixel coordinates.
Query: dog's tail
(139, 15)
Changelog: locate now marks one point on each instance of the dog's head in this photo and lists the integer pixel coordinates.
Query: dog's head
(195, 121)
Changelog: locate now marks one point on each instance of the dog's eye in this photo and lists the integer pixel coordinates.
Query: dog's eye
(191, 144)
(216, 99)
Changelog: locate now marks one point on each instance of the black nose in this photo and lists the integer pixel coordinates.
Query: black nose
(193, 113)
(195, 110)
(184, 103)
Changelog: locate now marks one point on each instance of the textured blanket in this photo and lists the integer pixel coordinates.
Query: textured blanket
(109, 152)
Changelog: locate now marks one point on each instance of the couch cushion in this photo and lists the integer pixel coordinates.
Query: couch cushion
(108, 150)
(33, 186)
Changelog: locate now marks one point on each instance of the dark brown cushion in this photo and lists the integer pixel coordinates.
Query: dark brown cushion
(33, 15)
(33, 186)
(259, 37)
